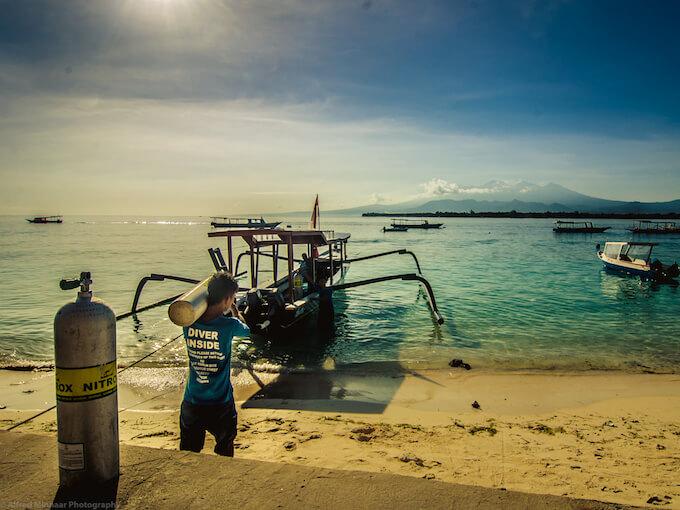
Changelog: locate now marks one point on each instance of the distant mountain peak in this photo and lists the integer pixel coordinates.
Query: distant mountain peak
(496, 195)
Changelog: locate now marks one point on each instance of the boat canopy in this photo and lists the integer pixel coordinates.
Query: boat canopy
(256, 239)
(632, 250)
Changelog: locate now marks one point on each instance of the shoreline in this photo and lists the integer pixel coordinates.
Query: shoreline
(537, 214)
(607, 436)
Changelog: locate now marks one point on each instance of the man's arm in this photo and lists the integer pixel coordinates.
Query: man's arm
(236, 313)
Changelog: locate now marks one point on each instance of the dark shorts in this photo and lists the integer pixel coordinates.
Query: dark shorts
(218, 419)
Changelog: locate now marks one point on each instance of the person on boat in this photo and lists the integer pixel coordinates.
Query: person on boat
(306, 271)
(208, 403)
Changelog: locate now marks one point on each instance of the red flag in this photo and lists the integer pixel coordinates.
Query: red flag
(315, 222)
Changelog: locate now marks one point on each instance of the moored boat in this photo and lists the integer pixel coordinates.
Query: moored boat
(577, 227)
(303, 269)
(635, 258)
(46, 219)
(654, 227)
(399, 228)
(411, 223)
(225, 222)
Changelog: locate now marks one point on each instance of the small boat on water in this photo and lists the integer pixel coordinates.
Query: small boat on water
(635, 258)
(303, 268)
(224, 222)
(654, 227)
(410, 223)
(399, 228)
(46, 219)
(577, 227)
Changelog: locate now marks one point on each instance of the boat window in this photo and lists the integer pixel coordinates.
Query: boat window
(639, 252)
(612, 250)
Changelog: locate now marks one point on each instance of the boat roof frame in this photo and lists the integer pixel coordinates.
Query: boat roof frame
(632, 243)
(257, 238)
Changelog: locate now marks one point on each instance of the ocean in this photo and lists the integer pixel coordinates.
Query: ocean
(513, 294)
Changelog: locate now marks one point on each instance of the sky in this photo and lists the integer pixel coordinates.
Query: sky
(216, 107)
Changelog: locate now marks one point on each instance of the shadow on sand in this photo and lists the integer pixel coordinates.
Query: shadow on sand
(101, 496)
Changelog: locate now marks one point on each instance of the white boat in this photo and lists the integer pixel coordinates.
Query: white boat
(635, 258)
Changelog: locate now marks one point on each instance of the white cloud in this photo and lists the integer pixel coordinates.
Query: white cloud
(376, 198)
(438, 187)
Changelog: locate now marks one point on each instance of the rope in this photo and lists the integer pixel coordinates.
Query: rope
(119, 371)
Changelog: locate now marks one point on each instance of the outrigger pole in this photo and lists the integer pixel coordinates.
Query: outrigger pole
(409, 276)
(156, 278)
(399, 252)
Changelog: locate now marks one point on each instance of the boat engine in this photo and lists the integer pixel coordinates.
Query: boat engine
(263, 306)
(664, 271)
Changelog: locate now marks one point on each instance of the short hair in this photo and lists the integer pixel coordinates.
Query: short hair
(221, 285)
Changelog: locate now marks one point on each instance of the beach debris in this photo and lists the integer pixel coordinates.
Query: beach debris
(363, 438)
(289, 445)
(608, 424)
(409, 457)
(476, 405)
(459, 363)
(491, 430)
(655, 500)
(429, 476)
(660, 447)
(162, 433)
(363, 430)
(28, 391)
(546, 429)
(314, 435)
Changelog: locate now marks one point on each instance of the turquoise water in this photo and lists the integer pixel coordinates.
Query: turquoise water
(513, 294)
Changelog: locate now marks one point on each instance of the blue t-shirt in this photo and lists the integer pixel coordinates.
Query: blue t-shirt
(209, 349)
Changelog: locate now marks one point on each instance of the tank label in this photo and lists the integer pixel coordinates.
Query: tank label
(72, 456)
(88, 383)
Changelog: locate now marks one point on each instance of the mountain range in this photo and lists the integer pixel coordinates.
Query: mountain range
(498, 196)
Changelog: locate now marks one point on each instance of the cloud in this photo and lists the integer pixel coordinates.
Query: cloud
(377, 198)
(438, 187)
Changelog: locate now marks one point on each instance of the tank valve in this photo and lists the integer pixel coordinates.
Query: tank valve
(84, 281)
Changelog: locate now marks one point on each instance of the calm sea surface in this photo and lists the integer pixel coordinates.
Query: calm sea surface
(513, 294)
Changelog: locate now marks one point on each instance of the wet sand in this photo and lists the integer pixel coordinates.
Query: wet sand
(610, 436)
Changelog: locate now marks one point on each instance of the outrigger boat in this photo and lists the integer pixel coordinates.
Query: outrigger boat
(654, 227)
(224, 222)
(291, 294)
(46, 219)
(409, 223)
(577, 227)
(399, 228)
(636, 259)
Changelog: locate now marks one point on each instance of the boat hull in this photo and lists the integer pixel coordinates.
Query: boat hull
(643, 271)
(271, 224)
(267, 312)
(595, 230)
(655, 231)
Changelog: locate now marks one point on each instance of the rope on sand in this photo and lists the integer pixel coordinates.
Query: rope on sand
(119, 371)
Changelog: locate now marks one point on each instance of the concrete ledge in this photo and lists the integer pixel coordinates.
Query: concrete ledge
(153, 478)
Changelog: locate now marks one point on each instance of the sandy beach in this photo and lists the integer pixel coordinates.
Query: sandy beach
(607, 436)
